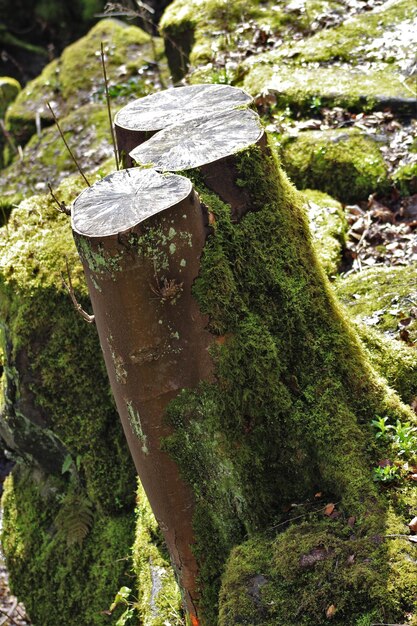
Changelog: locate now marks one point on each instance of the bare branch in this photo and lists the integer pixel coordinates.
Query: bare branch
(62, 207)
(68, 286)
(66, 145)
(113, 138)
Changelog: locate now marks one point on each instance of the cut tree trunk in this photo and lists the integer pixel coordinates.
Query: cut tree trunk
(140, 236)
(282, 407)
(142, 118)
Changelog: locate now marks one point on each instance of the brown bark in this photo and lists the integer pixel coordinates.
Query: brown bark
(140, 235)
(152, 335)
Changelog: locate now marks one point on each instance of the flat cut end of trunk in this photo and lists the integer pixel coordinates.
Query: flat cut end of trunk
(123, 199)
(201, 141)
(173, 106)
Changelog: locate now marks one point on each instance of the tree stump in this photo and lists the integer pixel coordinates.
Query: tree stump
(140, 235)
(280, 410)
(142, 118)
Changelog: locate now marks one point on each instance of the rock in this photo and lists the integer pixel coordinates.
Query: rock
(328, 226)
(66, 87)
(297, 566)
(367, 60)
(346, 164)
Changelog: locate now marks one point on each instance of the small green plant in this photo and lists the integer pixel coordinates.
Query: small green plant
(382, 427)
(387, 474)
(404, 439)
(122, 598)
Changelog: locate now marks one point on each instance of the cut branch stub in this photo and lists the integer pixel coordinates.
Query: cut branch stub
(209, 144)
(140, 235)
(142, 118)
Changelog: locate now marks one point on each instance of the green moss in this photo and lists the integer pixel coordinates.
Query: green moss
(159, 598)
(328, 226)
(367, 576)
(58, 582)
(405, 179)
(395, 360)
(60, 381)
(9, 88)
(195, 31)
(334, 84)
(382, 297)
(290, 411)
(346, 165)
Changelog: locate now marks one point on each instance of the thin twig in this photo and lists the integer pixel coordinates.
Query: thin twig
(8, 137)
(106, 86)
(88, 318)
(288, 521)
(62, 207)
(66, 145)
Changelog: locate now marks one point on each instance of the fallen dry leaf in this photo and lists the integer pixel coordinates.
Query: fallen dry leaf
(351, 559)
(351, 521)
(329, 508)
(413, 477)
(331, 611)
(413, 525)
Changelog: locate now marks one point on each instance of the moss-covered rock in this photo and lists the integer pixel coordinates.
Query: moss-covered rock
(345, 164)
(54, 375)
(384, 298)
(65, 86)
(382, 301)
(320, 570)
(45, 158)
(405, 179)
(363, 62)
(9, 88)
(328, 226)
(65, 574)
(195, 31)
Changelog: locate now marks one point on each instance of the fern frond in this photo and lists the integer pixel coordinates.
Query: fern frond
(75, 518)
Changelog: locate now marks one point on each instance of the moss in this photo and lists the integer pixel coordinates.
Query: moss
(194, 31)
(58, 582)
(290, 411)
(335, 84)
(296, 577)
(381, 297)
(46, 159)
(347, 165)
(370, 36)
(159, 598)
(60, 382)
(405, 179)
(395, 360)
(328, 226)
(9, 88)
